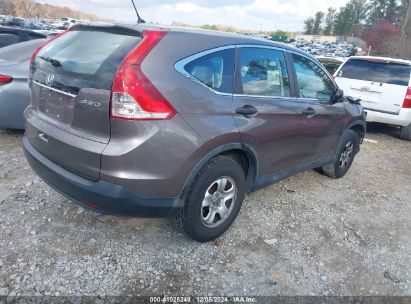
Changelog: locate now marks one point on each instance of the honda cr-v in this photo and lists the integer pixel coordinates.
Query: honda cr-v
(152, 122)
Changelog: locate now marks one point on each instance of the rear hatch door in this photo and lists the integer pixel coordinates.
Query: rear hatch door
(380, 84)
(71, 82)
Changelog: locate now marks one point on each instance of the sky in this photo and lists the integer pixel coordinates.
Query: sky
(243, 14)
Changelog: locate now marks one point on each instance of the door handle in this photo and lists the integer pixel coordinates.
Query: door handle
(309, 112)
(247, 110)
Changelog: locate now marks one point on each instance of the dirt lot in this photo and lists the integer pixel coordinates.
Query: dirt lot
(307, 235)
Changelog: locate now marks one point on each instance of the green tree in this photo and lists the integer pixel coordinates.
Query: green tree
(329, 21)
(401, 11)
(318, 19)
(391, 10)
(309, 26)
(383, 10)
(350, 17)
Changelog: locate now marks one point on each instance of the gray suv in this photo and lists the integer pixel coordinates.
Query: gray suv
(163, 122)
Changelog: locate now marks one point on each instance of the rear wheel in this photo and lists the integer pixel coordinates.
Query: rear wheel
(214, 200)
(348, 147)
(405, 132)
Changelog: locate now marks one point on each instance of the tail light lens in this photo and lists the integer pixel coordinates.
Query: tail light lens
(4, 79)
(134, 97)
(407, 99)
(33, 56)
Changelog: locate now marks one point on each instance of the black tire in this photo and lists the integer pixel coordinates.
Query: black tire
(405, 132)
(190, 219)
(339, 168)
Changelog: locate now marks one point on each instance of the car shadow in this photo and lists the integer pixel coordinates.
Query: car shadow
(11, 131)
(375, 127)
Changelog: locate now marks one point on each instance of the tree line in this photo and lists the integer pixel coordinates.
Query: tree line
(384, 24)
(33, 9)
(357, 15)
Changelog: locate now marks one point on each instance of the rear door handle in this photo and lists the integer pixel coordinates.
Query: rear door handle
(247, 110)
(309, 112)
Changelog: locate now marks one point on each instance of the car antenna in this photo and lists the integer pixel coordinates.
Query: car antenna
(139, 20)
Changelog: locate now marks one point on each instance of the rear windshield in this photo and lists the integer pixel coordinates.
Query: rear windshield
(391, 73)
(87, 53)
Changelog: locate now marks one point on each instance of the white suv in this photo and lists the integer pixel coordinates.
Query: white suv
(384, 87)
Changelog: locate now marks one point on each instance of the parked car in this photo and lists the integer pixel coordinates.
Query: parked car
(330, 63)
(384, 87)
(10, 35)
(14, 88)
(17, 21)
(181, 123)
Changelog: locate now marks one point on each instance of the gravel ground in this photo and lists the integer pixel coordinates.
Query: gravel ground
(307, 235)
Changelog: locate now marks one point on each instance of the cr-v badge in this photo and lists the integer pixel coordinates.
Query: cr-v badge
(90, 103)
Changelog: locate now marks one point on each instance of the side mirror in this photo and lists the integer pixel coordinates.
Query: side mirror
(353, 100)
(338, 95)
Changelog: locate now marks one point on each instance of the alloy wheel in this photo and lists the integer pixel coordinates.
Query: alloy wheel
(346, 154)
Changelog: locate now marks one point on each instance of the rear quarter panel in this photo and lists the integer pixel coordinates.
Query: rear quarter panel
(151, 158)
(208, 113)
(158, 157)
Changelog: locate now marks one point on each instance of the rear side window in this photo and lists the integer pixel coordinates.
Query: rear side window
(8, 39)
(391, 73)
(264, 72)
(87, 53)
(214, 70)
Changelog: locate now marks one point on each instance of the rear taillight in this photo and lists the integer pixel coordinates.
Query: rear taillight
(33, 56)
(4, 79)
(134, 97)
(407, 99)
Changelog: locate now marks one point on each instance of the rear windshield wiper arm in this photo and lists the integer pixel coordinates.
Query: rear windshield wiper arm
(53, 61)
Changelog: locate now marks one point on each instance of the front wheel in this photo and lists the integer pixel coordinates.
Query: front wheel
(214, 200)
(347, 149)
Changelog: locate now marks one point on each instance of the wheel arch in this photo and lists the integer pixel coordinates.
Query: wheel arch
(244, 155)
(360, 128)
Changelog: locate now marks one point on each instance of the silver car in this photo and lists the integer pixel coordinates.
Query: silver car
(14, 89)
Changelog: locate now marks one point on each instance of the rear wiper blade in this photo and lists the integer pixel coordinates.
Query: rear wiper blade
(53, 61)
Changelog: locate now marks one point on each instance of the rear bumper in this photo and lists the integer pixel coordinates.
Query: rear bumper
(100, 196)
(403, 118)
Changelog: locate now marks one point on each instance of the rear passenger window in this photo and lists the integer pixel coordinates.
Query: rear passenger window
(312, 81)
(264, 72)
(8, 39)
(214, 70)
